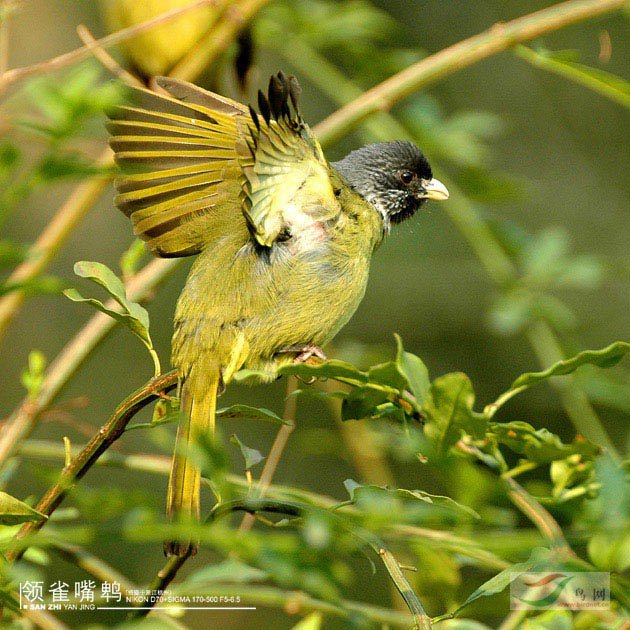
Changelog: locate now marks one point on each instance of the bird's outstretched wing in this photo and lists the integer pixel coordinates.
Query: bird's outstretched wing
(285, 175)
(194, 162)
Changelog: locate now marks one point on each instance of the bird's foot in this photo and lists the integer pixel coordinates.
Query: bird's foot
(305, 354)
(308, 353)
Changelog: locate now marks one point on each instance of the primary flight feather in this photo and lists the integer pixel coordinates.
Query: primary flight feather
(284, 237)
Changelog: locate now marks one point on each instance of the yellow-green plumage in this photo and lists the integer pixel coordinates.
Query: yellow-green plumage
(284, 243)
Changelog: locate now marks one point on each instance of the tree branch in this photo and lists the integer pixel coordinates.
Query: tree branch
(105, 437)
(17, 74)
(496, 39)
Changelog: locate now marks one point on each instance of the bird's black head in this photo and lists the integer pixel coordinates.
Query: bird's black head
(394, 177)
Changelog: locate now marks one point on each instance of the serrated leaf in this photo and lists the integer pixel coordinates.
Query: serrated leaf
(13, 511)
(536, 562)
(250, 413)
(415, 371)
(357, 490)
(449, 411)
(250, 455)
(540, 446)
(606, 357)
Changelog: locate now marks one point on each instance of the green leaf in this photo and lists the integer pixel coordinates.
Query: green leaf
(328, 369)
(250, 413)
(361, 403)
(609, 85)
(230, 570)
(99, 273)
(449, 413)
(33, 376)
(358, 491)
(133, 316)
(13, 511)
(606, 357)
(250, 455)
(415, 371)
(126, 319)
(536, 562)
(540, 446)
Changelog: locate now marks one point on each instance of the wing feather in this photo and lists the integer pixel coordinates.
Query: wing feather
(195, 163)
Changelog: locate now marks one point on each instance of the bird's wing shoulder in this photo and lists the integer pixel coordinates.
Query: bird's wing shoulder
(285, 178)
(180, 171)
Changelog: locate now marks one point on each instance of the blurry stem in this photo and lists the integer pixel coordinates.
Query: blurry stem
(299, 603)
(360, 442)
(161, 464)
(92, 565)
(460, 210)
(174, 564)
(497, 38)
(453, 543)
(23, 420)
(105, 437)
(105, 58)
(5, 8)
(575, 74)
(216, 41)
(539, 516)
(294, 509)
(279, 444)
(51, 239)
(41, 619)
(333, 82)
(17, 74)
(575, 401)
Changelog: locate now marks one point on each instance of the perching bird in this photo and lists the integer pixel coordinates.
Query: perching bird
(284, 237)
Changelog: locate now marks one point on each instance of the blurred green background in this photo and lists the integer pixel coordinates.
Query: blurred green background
(563, 150)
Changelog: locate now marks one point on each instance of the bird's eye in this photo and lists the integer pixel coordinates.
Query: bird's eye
(406, 177)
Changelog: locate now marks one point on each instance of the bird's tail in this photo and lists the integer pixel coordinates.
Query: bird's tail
(182, 503)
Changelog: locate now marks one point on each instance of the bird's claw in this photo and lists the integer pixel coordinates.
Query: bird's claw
(308, 353)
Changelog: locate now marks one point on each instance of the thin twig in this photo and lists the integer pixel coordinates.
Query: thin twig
(17, 74)
(168, 573)
(252, 506)
(106, 60)
(279, 444)
(539, 516)
(496, 39)
(5, 7)
(105, 437)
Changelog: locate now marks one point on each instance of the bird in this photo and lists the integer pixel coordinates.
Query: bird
(283, 237)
